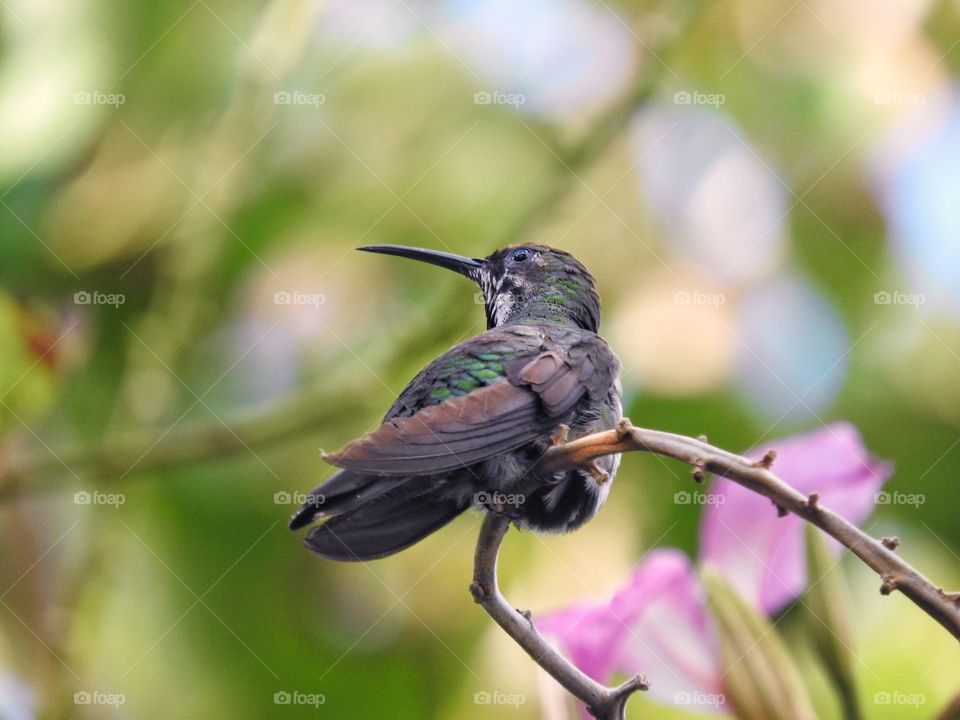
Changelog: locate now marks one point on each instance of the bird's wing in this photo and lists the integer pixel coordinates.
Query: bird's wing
(534, 387)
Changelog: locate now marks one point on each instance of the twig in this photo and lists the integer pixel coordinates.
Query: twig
(896, 573)
(603, 703)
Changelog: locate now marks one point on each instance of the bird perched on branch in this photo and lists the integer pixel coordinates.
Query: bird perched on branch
(471, 427)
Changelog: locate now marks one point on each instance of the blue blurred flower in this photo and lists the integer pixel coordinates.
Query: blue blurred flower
(17, 700)
(717, 202)
(792, 350)
(558, 58)
(918, 197)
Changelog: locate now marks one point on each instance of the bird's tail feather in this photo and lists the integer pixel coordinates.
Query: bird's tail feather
(384, 525)
(342, 493)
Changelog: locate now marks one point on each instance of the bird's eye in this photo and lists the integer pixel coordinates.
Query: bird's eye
(520, 255)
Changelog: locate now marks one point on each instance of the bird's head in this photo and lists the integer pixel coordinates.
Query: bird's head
(521, 283)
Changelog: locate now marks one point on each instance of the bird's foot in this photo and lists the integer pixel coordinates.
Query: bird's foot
(560, 435)
(597, 473)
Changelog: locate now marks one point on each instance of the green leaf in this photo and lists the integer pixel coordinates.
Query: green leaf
(829, 620)
(759, 676)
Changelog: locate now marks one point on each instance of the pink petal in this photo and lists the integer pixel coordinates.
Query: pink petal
(762, 555)
(656, 625)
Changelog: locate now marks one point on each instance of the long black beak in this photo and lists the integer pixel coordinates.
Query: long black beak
(469, 267)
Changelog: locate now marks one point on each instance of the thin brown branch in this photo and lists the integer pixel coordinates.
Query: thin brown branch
(896, 573)
(603, 703)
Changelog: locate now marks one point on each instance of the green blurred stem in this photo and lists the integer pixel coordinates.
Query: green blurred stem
(829, 621)
(849, 702)
(895, 572)
(125, 455)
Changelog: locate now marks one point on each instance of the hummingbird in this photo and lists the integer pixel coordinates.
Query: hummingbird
(470, 429)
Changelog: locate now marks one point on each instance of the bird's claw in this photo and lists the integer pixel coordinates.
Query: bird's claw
(560, 435)
(598, 473)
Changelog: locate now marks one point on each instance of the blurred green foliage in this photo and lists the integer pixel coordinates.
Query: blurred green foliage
(200, 197)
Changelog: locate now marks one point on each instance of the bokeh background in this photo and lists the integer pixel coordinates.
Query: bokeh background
(767, 193)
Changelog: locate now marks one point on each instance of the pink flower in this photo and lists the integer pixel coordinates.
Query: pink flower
(656, 620)
(762, 555)
(658, 623)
